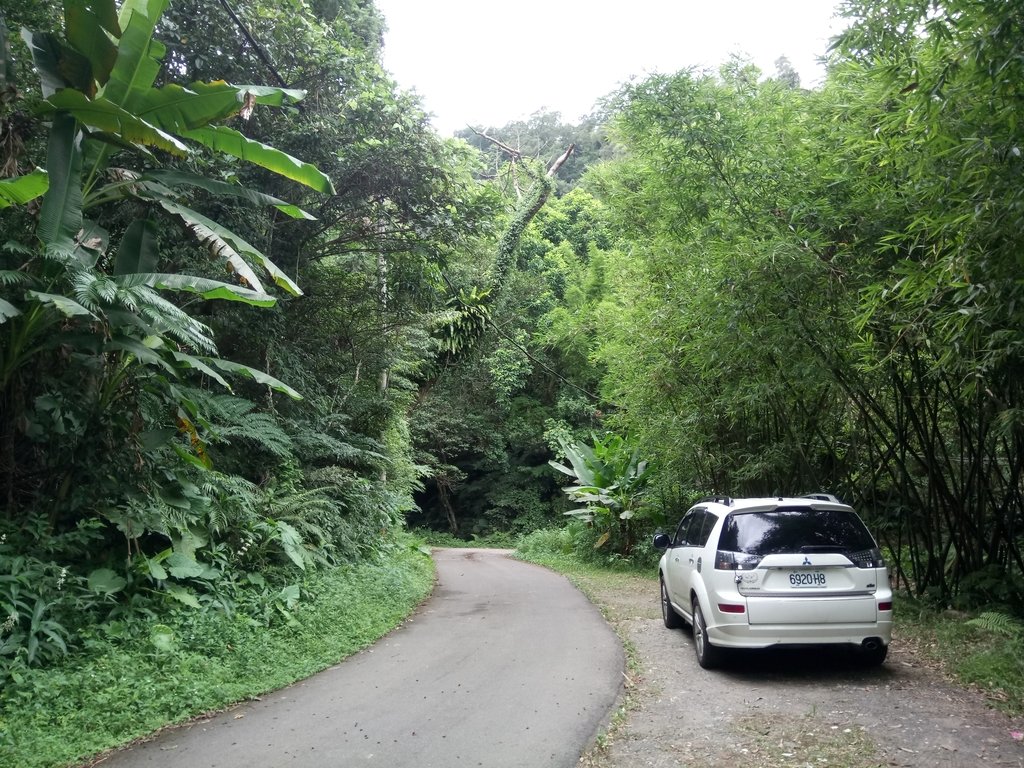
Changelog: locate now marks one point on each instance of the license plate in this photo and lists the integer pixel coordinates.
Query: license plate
(807, 579)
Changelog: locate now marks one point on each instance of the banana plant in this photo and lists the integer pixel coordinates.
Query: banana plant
(610, 481)
(98, 84)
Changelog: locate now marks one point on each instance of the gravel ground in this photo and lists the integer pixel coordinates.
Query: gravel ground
(777, 709)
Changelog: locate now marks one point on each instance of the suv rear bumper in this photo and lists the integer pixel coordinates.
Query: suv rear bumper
(737, 635)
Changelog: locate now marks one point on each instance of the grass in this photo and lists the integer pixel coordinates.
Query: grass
(119, 690)
(974, 651)
(494, 540)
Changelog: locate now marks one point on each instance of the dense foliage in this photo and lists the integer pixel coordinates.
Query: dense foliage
(256, 315)
(216, 301)
(780, 290)
(821, 287)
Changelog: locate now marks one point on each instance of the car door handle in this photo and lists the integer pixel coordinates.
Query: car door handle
(691, 561)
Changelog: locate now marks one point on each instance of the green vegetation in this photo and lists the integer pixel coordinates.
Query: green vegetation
(133, 677)
(257, 317)
(495, 540)
(985, 650)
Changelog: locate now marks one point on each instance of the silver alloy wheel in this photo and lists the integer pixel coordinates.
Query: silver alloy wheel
(708, 656)
(699, 631)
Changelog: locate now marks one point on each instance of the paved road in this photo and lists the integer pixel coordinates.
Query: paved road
(506, 666)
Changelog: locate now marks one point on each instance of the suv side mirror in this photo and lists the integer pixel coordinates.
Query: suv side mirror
(662, 541)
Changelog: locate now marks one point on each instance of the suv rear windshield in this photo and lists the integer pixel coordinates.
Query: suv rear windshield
(783, 531)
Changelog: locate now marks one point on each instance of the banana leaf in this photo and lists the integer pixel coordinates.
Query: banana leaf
(215, 186)
(7, 311)
(138, 54)
(89, 25)
(104, 115)
(20, 190)
(259, 376)
(174, 107)
(231, 247)
(60, 217)
(208, 289)
(231, 142)
(58, 64)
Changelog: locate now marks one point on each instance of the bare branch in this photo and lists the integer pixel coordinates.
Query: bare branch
(515, 154)
(560, 161)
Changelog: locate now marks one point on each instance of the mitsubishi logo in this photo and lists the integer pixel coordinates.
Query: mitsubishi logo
(807, 561)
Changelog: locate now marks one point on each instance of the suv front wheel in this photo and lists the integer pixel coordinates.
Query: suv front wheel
(708, 656)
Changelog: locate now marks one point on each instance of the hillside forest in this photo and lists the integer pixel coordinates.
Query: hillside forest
(258, 319)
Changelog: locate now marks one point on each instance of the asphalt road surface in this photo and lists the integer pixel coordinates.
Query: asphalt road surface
(506, 666)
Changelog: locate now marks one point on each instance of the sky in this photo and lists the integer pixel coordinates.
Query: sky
(488, 63)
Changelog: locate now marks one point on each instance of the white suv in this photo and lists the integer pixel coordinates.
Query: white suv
(753, 573)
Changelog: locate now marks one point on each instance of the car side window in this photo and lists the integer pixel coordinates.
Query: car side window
(680, 537)
(705, 529)
(689, 531)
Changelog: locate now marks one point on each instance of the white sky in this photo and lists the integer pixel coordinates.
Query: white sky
(488, 63)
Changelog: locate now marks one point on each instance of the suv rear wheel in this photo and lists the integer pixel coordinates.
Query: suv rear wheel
(668, 614)
(708, 655)
(873, 656)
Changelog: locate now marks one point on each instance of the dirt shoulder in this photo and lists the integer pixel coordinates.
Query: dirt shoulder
(782, 709)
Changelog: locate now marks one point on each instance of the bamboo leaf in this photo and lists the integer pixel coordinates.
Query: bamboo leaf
(20, 190)
(231, 142)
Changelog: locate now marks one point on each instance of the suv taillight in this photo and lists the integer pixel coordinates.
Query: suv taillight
(735, 561)
(867, 558)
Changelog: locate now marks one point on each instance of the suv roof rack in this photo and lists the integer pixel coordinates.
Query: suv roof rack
(822, 497)
(727, 500)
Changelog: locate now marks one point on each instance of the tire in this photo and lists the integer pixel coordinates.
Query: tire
(873, 657)
(708, 655)
(668, 614)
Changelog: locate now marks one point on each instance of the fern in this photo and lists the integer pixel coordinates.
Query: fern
(12, 246)
(236, 501)
(10, 277)
(227, 418)
(327, 441)
(1000, 624)
(263, 430)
